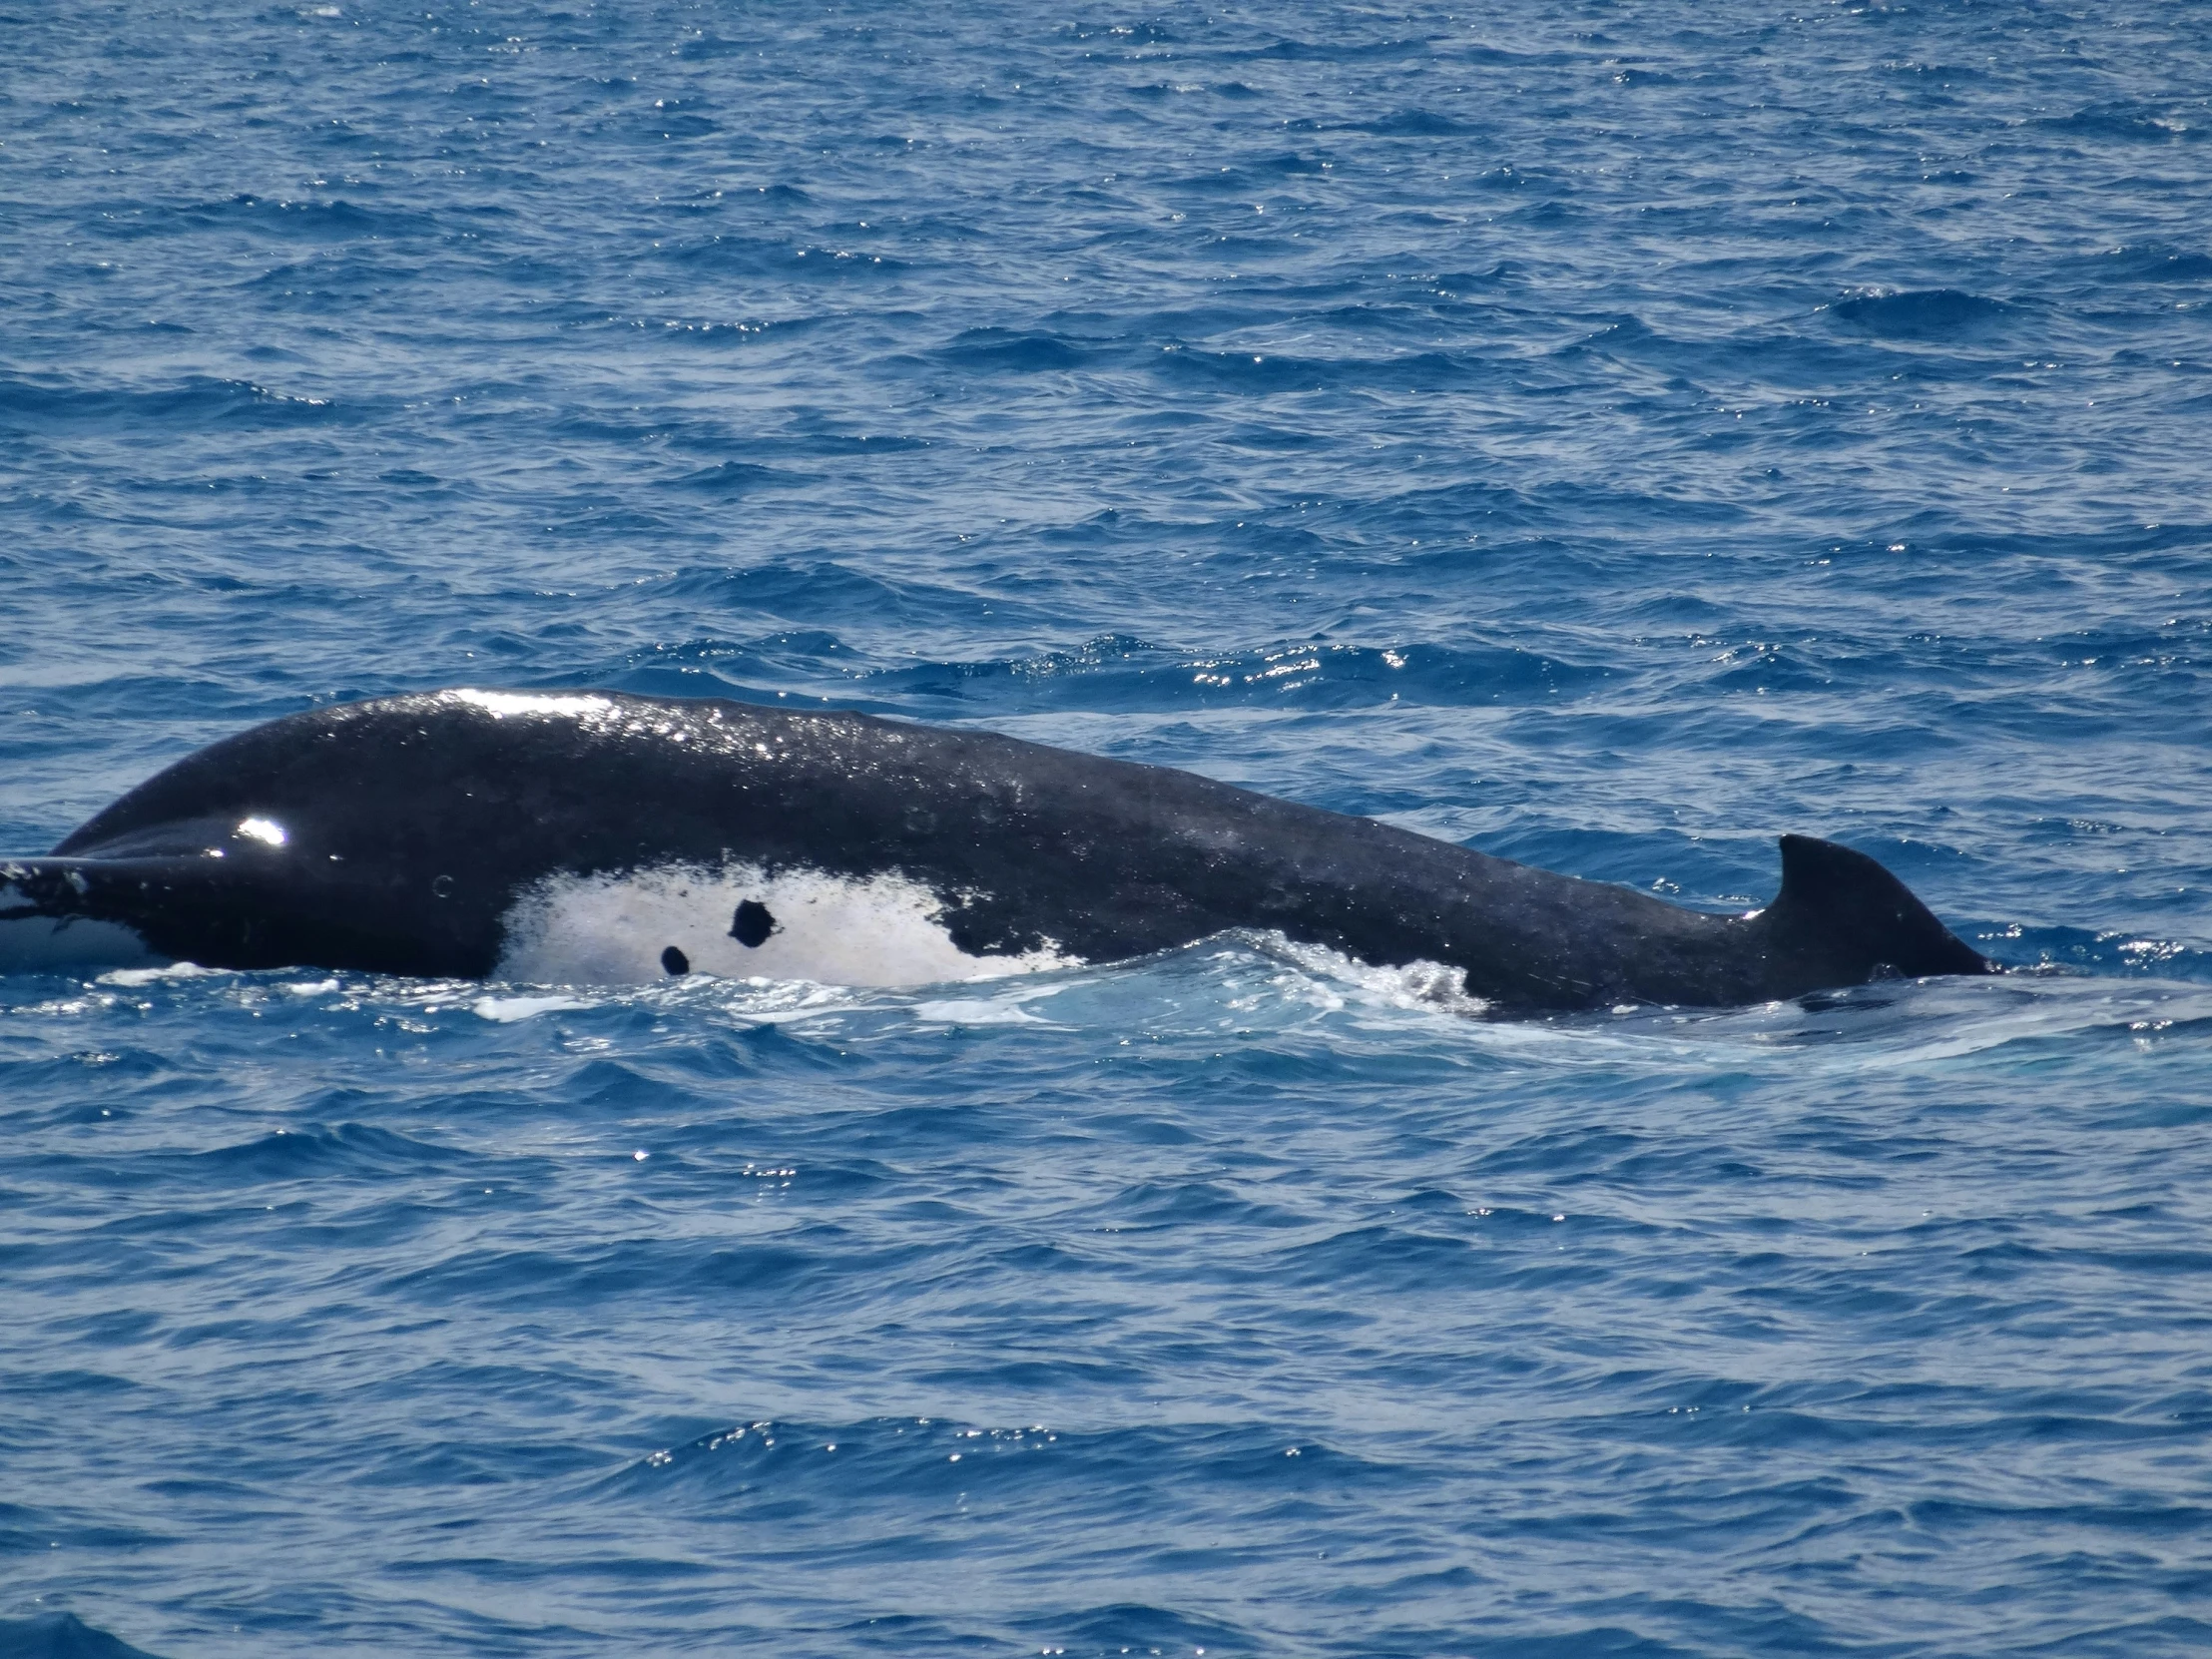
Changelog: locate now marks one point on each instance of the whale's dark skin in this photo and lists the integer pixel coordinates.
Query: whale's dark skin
(411, 825)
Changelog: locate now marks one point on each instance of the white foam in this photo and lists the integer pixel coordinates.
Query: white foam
(977, 1011)
(834, 931)
(1427, 988)
(507, 1009)
(129, 977)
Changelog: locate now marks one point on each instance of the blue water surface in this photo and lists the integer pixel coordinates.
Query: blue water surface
(1609, 435)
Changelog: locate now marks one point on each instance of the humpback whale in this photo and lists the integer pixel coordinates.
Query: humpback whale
(601, 837)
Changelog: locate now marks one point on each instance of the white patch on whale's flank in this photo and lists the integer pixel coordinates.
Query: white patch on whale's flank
(834, 930)
(62, 944)
(265, 830)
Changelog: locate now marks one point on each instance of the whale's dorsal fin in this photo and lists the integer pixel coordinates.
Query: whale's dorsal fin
(1850, 920)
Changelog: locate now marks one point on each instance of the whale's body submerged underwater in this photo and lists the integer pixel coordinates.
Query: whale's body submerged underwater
(600, 838)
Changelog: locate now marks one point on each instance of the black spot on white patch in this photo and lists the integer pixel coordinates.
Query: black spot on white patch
(751, 925)
(675, 961)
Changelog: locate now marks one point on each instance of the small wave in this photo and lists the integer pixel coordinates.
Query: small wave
(2152, 264)
(1901, 1027)
(900, 1461)
(331, 219)
(1003, 351)
(194, 401)
(1129, 674)
(1337, 50)
(741, 478)
(2070, 951)
(62, 1636)
(2129, 124)
(1416, 123)
(1112, 671)
(352, 1148)
(1923, 314)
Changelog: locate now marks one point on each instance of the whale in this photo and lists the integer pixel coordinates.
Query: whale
(602, 838)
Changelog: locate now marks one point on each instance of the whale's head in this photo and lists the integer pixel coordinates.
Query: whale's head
(381, 836)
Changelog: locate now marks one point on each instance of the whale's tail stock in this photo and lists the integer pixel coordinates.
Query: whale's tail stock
(1840, 918)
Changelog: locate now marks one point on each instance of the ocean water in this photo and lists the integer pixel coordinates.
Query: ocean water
(1609, 435)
